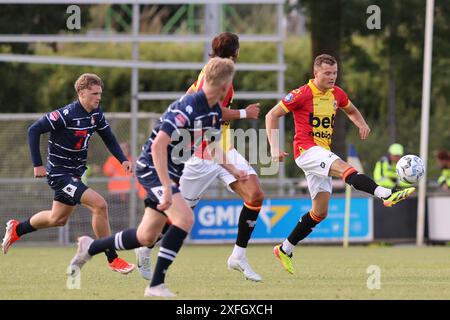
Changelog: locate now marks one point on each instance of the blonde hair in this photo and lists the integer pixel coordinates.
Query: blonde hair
(86, 80)
(219, 71)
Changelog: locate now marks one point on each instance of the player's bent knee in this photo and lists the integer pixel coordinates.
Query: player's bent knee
(101, 206)
(257, 197)
(146, 241)
(184, 221)
(58, 221)
(321, 215)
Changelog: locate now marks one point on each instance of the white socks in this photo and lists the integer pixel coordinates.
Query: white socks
(382, 192)
(238, 252)
(287, 247)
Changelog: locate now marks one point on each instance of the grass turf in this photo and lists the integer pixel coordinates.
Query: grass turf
(200, 272)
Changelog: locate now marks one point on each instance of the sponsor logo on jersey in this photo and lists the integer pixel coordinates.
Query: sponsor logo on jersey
(189, 109)
(54, 116)
(325, 122)
(66, 112)
(180, 120)
(321, 134)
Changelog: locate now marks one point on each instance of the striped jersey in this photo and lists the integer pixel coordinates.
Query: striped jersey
(314, 112)
(226, 103)
(188, 121)
(71, 127)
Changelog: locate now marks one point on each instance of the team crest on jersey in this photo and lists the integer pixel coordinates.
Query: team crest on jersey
(180, 120)
(54, 116)
(189, 109)
(289, 97)
(66, 112)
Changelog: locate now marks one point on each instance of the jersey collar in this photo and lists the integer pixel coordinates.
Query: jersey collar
(316, 90)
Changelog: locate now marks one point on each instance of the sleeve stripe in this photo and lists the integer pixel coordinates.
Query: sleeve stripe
(281, 104)
(348, 104)
(172, 124)
(107, 125)
(65, 125)
(46, 116)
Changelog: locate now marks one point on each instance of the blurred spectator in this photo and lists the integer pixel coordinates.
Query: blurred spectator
(443, 158)
(90, 171)
(385, 174)
(119, 184)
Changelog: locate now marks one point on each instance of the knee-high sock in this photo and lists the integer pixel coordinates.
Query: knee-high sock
(123, 240)
(170, 245)
(303, 228)
(24, 227)
(364, 183)
(247, 222)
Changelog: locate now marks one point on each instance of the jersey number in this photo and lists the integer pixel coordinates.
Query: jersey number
(83, 140)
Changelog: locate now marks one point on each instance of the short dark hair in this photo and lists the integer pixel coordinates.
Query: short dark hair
(443, 155)
(225, 45)
(324, 58)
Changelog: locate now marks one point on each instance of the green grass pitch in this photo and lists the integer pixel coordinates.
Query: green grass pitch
(200, 272)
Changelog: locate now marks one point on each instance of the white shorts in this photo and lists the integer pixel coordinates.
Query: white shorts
(198, 174)
(316, 163)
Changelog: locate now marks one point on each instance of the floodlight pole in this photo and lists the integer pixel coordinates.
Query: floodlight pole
(134, 115)
(424, 130)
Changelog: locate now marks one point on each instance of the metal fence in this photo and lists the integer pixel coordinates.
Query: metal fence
(21, 195)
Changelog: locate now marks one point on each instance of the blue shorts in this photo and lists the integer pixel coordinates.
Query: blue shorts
(148, 178)
(68, 189)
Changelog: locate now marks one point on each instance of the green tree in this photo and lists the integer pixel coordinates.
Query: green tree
(18, 82)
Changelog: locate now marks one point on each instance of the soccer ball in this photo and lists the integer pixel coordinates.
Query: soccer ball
(410, 169)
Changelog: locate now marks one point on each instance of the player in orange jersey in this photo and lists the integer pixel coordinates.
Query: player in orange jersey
(314, 107)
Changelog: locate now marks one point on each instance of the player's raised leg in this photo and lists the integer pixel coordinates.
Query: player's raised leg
(145, 235)
(100, 224)
(56, 217)
(362, 182)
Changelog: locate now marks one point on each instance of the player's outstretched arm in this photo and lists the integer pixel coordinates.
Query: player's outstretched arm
(250, 112)
(273, 132)
(356, 117)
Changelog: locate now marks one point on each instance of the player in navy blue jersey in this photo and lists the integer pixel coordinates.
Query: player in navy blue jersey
(71, 128)
(179, 131)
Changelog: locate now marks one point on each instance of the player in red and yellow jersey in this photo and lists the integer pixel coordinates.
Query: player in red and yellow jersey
(200, 171)
(314, 112)
(314, 107)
